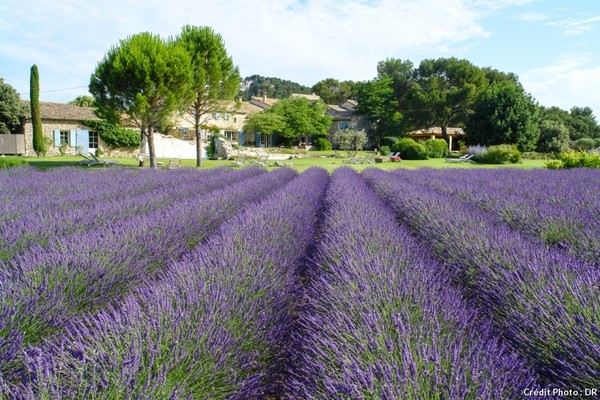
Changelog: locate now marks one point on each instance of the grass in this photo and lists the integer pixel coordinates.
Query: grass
(314, 159)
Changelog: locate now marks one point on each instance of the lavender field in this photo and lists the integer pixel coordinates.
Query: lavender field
(247, 284)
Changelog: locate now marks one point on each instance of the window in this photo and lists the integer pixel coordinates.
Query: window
(343, 125)
(94, 139)
(231, 135)
(64, 137)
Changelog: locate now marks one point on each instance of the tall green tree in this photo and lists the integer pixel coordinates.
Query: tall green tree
(39, 144)
(296, 117)
(146, 78)
(443, 92)
(11, 108)
(332, 91)
(378, 102)
(215, 77)
(554, 137)
(504, 114)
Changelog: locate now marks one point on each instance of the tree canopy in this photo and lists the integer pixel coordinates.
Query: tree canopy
(215, 77)
(296, 117)
(11, 108)
(332, 91)
(443, 92)
(504, 114)
(146, 78)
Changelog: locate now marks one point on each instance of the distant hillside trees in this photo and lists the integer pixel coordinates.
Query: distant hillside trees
(276, 88)
(11, 109)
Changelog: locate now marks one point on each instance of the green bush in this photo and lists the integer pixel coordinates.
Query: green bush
(322, 144)
(409, 149)
(315, 136)
(436, 148)
(62, 149)
(384, 150)
(389, 141)
(554, 164)
(115, 136)
(584, 144)
(99, 152)
(580, 159)
(502, 154)
(9, 162)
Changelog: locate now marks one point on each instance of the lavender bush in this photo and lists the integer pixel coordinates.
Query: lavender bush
(45, 287)
(213, 327)
(382, 322)
(546, 303)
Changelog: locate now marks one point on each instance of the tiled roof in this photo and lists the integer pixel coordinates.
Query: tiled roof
(61, 111)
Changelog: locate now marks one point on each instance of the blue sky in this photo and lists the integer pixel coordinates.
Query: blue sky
(552, 45)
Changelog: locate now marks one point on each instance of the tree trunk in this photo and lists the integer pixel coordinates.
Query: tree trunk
(445, 133)
(198, 147)
(151, 151)
(142, 158)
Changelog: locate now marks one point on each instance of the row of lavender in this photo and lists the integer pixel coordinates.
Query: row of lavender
(544, 301)
(561, 209)
(275, 305)
(43, 287)
(50, 207)
(381, 320)
(215, 325)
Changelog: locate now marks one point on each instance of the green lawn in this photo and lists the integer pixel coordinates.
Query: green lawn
(316, 159)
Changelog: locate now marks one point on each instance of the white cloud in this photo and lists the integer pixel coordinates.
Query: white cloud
(531, 17)
(567, 83)
(576, 26)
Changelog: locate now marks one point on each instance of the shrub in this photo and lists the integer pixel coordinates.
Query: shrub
(384, 150)
(584, 144)
(580, 159)
(322, 144)
(315, 136)
(114, 135)
(349, 140)
(409, 149)
(389, 141)
(99, 152)
(62, 149)
(502, 154)
(436, 148)
(554, 164)
(9, 162)
(477, 151)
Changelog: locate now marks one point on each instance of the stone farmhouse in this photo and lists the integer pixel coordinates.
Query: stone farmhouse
(60, 123)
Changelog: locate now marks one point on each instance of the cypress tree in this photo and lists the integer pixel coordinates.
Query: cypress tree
(39, 146)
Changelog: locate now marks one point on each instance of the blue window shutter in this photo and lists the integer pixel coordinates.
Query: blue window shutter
(56, 134)
(73, 138)
(83, 141)
(242, 138)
